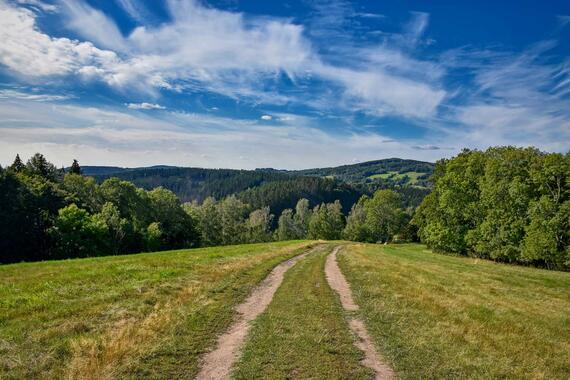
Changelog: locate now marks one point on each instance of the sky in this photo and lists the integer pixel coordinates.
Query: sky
(283, 84)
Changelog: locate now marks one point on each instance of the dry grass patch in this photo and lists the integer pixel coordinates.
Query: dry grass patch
(147, 315)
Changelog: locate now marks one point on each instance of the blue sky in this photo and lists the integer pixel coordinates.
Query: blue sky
(292, 84)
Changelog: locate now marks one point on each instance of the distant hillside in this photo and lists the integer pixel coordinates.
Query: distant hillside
(281, 188)
(396, 171)
(285, 194)
(194, 183)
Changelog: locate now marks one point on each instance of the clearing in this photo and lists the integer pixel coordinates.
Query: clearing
(401, 307)
(148, 315)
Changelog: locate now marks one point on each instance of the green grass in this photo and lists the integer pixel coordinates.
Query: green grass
(302, 334)
(393, 175)
(437, 316)
(134, 316)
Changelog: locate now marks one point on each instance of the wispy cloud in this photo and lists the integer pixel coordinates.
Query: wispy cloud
(145, 106)
(39, 5)
(231, 55)
(106, 136)
(15, 94)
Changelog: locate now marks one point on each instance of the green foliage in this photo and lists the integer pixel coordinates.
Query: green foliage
(377, 219)
(356, 227)
(384, 215)
(394, 171)
(281, 195)
(210, 223)
(258, 226)
(286, 228)
(18, 166)
(78, 233)
(507, 204)
(82, 191)
(153, 237)
(303, 215)
(327, 221)
(232, 212)
(75, 168)
(177, 227)
(38, 165)
(44, 214)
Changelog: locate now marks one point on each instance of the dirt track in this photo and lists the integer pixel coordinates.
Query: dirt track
(338, 283)
(217, 364)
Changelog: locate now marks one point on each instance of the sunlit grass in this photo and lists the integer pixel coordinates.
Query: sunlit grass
(145, 315)
(436, 316)
(303, 333)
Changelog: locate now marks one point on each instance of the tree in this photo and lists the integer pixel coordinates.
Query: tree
(258, 226)
(327, 221)
(83, 191)
(17, 166)
(286, 228)
(153, 237)
(177, 228)
(77, 234)
(232, 213)
(133, 203)
(210, 223)
(384, 215)
(356, 228)
(302, 217)
(75, 168)
(507, 204)
(38, 165)
(118, 227)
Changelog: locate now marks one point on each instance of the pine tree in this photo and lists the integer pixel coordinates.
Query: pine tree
(18, 165)
(75, 168)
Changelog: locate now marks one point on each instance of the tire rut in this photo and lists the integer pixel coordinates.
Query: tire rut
(338, 283)
(217, 364)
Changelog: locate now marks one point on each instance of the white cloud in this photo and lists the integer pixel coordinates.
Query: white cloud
(14, 94)
(100, 136)
(145, 106)
(25, 50)
(381, 93)
(205, 48)
(93, 25)
(266, 117)
(37, 4)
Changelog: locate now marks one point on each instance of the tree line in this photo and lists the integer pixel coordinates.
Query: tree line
(506, 204)
(48, 213)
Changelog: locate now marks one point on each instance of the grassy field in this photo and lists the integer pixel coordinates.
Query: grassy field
(436, 316)
(413, 176)
(135, 316)
(154, 315)
(303, 333)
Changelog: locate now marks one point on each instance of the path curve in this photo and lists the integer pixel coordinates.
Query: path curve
(217, 364)
(338, 283)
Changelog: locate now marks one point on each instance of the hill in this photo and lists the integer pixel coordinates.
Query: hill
(153, 315)
(394, 171)
(191, 184)
(347, 181)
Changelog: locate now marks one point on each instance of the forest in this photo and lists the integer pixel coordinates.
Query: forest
(506, 204)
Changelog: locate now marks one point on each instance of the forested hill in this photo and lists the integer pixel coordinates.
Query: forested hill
(198, 183)
(191, 184)
(281, 188)
(392, 170)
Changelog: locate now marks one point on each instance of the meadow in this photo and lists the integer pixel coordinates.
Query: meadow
(134, 316)
(155, 315)
(440, 316)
